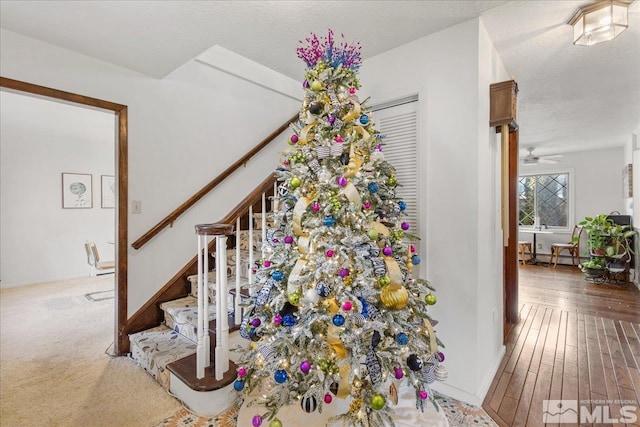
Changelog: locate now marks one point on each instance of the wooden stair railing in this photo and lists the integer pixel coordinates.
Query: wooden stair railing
(150, 314)
(169, 219)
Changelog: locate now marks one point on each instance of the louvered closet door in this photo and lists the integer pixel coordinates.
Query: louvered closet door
(398, 121)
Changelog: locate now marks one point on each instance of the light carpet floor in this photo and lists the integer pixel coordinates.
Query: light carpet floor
(53, 366)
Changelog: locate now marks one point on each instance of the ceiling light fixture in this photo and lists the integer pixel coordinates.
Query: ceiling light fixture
(599, 22)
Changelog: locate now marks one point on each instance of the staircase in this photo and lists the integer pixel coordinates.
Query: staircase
(168, 352)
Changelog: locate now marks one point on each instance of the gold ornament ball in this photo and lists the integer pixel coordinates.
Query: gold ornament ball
(395, 299)
(392, 180)
(430, 299)
(384, 281)
(373, 234)
(377, 401)
(275, 423)
(294, 298)
(316, 86)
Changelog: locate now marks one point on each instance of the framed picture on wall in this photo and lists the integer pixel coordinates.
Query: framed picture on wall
(108, 191)
(77, 191)
(627, 181)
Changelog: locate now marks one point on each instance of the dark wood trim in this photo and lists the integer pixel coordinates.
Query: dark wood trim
(121, 341)
(511, 251)
(169, 219)
(150, 314)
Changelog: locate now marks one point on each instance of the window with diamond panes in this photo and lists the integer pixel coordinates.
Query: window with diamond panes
(545, 196)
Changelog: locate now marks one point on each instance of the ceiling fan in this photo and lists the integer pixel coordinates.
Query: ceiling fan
(531, 159)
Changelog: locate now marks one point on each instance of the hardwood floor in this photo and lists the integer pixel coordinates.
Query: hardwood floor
(576, 340)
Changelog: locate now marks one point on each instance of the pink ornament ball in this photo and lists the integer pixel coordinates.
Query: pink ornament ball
(398, 373)
(342, 181)
(242, 372)
(277, 319)
(367, 205)
(286, 163)
(305, 366)
(347, 305)
(352, 90)
(256, 421)
(267, 263)
(327, 398)
(412, 248)
(423, 394)
(387, 251)
(338, 138)
(330, 253)
(293, 138)
(288, 240)
(315, 207)
(405, 226)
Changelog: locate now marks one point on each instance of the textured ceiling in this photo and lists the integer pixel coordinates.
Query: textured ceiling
(570, 97)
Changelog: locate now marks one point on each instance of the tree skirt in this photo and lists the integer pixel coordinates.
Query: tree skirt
(404, 413)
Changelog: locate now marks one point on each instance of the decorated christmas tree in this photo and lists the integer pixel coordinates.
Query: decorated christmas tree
(337, 312)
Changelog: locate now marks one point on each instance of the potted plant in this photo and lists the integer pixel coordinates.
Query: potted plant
(598, 229)
(619, 241)
(594, 267)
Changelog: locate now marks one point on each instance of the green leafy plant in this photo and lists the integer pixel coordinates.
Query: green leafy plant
(619, 241)
(597, 263)
(598, 229)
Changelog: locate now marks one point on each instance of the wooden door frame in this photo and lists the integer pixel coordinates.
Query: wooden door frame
(121, 155)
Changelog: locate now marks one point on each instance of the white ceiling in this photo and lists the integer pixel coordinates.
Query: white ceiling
(571, 97)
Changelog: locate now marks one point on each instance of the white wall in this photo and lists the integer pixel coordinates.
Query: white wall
(597, 188)
(183, 131)
(40, 139)
(451, 70)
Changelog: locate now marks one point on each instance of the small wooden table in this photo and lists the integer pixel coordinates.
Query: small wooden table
(535, 232)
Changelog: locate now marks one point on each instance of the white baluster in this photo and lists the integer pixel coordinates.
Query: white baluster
(204, 326)
(222, 314)
(250, 275)
(275, 197)
(239, 266)
(202, 277)
(264, 223)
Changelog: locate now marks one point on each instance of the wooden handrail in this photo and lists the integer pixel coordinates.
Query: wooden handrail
(169, 219)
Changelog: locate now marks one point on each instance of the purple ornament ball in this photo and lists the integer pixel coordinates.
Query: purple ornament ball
(256, 322)
(288, 240)
(423, 394)
(305, 366)
(256, 421)
(342, 181)
(344, 272)
(277, 319)
(398, 373)
(387, 251)
(405, 226)
(331, 119)
(440, 356)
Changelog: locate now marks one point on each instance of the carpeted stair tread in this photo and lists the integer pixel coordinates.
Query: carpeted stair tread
(155, 348)
(181, 316)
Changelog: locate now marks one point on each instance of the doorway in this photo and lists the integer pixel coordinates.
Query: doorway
(121, 189)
